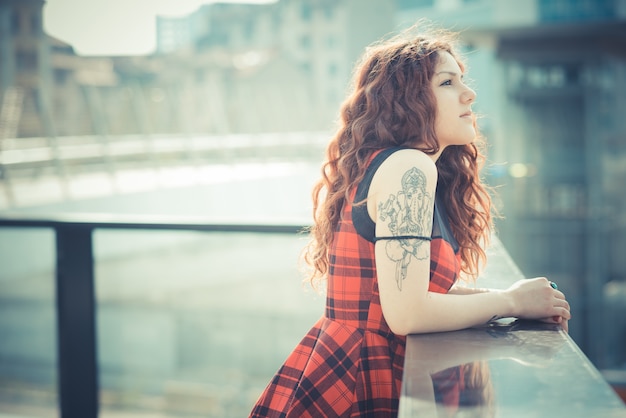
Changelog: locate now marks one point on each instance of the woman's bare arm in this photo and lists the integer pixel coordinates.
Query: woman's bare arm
(401, 201)
(458, 289)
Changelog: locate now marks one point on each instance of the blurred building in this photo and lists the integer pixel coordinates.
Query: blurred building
(313, 43)
(24, 67)
(552, 83)
(227, 68)
(42, 81)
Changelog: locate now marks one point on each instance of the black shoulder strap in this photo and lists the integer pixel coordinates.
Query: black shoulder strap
(361, 220)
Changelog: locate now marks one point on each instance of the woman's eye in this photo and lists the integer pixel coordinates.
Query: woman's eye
(446, 83)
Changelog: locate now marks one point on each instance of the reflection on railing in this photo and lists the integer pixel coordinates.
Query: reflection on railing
(467, 387)
(503, 369)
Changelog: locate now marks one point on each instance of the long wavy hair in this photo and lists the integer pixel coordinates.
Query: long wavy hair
(392, 104)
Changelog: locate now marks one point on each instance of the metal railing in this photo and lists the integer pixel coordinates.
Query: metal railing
(38, 152)
(78, 384)
(28, 161)
(76, 306)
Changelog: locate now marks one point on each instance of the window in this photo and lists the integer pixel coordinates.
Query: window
(60, 76)
(35, 24)
(537, 76)
(248, 30)
(26, 60)
(15, 23)
(332, 69)
(414, 4)
(329, 10)
(306, 12)
(568, 10)
(333, 96)
(331, 41)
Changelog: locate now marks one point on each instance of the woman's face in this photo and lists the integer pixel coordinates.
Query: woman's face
(454, 124)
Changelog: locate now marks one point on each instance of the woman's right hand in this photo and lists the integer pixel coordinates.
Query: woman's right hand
(536, 299)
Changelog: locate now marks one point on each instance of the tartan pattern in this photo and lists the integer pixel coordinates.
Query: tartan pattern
(350, 363)
(444, 265)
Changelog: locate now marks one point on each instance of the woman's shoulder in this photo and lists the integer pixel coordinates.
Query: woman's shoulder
(401, 172)
(407, 159)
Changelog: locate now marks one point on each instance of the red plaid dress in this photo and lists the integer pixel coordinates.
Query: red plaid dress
(350, 363)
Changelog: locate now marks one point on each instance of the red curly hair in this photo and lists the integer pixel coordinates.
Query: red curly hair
(392, 104)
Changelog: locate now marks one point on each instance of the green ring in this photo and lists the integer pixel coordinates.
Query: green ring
(553, 285)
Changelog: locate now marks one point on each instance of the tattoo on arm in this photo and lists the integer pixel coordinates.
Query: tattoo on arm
(408, 213)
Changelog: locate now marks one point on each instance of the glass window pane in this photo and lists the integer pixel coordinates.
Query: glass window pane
(196, 323)
(28, 347)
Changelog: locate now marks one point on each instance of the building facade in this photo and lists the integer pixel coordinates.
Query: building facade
(227, 68)
(24, 68)
(551, 77)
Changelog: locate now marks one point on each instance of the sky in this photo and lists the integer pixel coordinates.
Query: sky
(113, 27)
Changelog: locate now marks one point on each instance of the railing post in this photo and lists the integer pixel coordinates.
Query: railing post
(78, 375)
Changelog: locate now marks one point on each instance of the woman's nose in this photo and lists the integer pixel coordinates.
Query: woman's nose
(469, 95)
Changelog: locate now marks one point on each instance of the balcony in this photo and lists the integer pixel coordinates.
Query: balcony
(126, 315)
(189, 317)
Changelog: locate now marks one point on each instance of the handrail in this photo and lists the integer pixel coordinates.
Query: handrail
(452, 371)
(109, 221)
(42, 151)
(75, 296)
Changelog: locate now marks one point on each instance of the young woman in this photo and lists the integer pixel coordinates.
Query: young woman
(400, 215)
